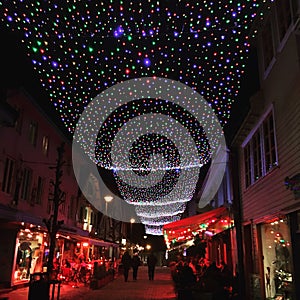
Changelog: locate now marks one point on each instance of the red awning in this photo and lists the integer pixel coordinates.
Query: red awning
(211, 223)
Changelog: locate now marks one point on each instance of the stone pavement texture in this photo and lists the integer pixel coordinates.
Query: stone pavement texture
(161, 288)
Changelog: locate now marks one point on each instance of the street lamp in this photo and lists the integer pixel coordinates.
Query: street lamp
(132, 220)
(108, 199)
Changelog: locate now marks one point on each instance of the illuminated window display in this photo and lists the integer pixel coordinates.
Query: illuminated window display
(31, 250)
(277, 254)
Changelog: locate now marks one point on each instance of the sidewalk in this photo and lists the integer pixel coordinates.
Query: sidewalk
(161, 288)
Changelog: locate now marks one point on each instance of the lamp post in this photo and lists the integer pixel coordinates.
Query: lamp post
(132, 220)
(108, 199)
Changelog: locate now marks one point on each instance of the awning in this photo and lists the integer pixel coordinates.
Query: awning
(84, 239)
(208, 223)
(102, 243)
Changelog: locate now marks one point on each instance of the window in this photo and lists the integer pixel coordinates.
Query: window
(49, 207)
(19, 121)
(247, 165)
(33, 130)
(63, 203)
(26, 184)
(45, 145)
(81, 214)
(267, 45)
(269, 143)
(257, 162)
(8, 176)
(72, 206)
(260, 153)
(284, 17)
(39, 190)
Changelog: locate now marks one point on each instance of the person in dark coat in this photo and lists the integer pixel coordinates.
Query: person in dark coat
(126, 262)
(151, 262)
(136, 262)
(186, 282)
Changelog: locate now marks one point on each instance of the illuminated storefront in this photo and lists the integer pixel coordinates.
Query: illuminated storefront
(277, 254)
(30, 252)
(214, 228)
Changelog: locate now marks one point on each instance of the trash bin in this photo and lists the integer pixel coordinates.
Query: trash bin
(38, 287)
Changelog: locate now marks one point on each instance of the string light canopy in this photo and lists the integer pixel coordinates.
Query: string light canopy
(80, 49)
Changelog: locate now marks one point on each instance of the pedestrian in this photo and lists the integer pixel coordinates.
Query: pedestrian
(126, 262)
(136, 262)
(151, 262)
(186, 282)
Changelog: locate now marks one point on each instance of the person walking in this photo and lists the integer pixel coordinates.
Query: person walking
(151, 262)
(126, 262)
(136, 262)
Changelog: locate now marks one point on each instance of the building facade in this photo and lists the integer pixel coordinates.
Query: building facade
(267, 147)
(28, 156)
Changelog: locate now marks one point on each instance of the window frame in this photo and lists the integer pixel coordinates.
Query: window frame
(33, 133)
(45, 145)
(26, 185)
(252, 148)
(8, 175)
(39, 190)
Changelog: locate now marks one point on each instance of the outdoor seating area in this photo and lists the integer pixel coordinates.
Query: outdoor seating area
(194, 279)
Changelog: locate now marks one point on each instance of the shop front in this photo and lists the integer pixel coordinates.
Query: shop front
(31, 253)
(213, 230)
(277, 259)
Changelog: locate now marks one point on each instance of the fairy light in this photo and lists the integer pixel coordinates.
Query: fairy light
(79, 49)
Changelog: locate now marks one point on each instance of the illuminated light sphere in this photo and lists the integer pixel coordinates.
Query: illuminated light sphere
(156, 150)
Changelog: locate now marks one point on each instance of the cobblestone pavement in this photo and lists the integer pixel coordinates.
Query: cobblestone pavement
(161, 288)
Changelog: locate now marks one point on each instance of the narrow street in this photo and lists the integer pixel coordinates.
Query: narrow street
(161, 288)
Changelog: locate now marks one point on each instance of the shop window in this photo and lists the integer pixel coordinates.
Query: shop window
(26, 184)
(33, 132)
(284, 17)
(8, 175)
(277, 253)
(260, 152)
(30, 254)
